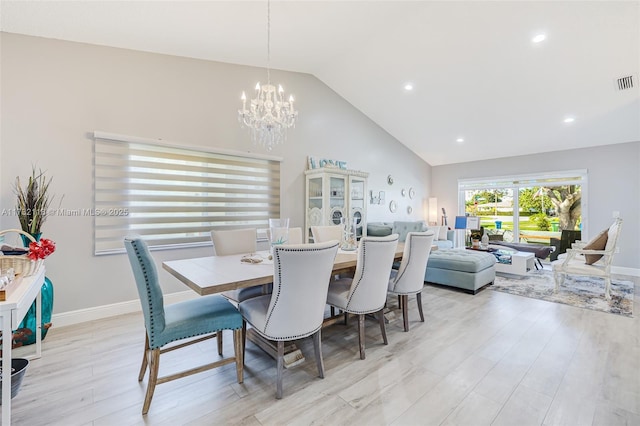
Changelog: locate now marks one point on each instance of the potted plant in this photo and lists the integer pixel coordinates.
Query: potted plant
(32, 204)
(476, 234)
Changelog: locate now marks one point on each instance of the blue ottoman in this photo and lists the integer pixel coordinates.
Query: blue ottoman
(465, 269)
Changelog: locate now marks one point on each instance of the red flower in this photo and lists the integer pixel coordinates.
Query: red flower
(41, 249)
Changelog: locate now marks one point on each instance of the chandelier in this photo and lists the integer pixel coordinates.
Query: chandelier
(269, 115)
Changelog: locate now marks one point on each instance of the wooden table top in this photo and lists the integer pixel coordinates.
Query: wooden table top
(215, 274)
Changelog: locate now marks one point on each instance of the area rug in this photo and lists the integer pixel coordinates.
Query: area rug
(581, 292)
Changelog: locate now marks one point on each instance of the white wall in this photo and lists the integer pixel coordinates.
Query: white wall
(614, 185)
(55, 93)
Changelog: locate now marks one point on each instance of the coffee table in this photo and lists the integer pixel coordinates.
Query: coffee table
(510, 261)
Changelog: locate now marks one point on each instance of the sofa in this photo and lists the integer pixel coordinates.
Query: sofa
(443, 236)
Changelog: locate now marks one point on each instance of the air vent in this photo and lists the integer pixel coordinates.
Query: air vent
(626, 82)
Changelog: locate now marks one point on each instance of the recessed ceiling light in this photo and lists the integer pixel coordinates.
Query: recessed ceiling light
(408, 87)
(569, 120)
(459, 140)
(538, 38)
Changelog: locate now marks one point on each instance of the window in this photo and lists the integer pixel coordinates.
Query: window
(527, 208)
(174, 196)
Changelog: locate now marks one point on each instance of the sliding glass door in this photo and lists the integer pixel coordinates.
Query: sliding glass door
(530, 209)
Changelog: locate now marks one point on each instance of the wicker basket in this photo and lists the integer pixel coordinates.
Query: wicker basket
(21, 264)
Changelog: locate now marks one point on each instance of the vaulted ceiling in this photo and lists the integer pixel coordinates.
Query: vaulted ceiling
(476, 73)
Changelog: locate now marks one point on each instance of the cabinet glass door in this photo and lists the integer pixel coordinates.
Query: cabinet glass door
(357, 202)
(337, 187)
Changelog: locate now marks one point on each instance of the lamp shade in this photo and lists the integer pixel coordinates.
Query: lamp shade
(433, 210)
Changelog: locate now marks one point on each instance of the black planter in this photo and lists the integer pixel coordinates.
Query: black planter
(18, 367)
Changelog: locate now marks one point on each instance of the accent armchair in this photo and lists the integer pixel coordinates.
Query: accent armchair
(591, 259)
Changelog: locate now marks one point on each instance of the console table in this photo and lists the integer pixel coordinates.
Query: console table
(12, 311)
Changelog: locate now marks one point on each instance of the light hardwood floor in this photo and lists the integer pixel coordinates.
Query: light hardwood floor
(488, 359)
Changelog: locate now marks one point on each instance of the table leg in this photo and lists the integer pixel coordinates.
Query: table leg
(7, 340)
(38, 330)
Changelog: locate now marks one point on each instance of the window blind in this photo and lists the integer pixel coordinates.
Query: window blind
(174, 196)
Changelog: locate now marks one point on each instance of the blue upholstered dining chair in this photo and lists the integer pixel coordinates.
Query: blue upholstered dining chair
(295, 309)
(366, 292)
(409, 277)
(204, 316)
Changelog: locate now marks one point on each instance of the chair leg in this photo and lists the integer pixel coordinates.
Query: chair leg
(219, 339)
(382, 328)
(238, 347)
(558, 277)
(607, 288)
(405, 311)
(280, 367)
(361, 334)
(145, 358)
(154, 366)
(419, 300)
(317, 348)
(400, 301)
(244, 340)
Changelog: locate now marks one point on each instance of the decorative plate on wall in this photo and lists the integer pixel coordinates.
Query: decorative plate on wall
(393, 206)
(412, 193)
(403, 192)
(390, 180)
(409, 209)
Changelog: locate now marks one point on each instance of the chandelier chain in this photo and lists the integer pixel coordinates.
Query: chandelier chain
(268, 41)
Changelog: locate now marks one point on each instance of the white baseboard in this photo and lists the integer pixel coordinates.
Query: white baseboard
(105, 311)
(100, 312)
(633, 272)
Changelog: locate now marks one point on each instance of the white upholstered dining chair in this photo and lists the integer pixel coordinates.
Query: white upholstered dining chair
(409, 277)
(295, 235)
(322, 234)
(295, 308)
(366, 292)
(236, 241)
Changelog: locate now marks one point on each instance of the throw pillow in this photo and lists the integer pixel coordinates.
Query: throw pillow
(598, 242)
(435, 230)
(443, 233)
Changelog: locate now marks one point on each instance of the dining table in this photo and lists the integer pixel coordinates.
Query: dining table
(217, 274)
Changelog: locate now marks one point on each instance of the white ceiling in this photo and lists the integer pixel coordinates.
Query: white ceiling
(476, 73)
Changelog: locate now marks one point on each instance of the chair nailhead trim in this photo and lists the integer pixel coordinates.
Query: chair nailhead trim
(145, 273)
